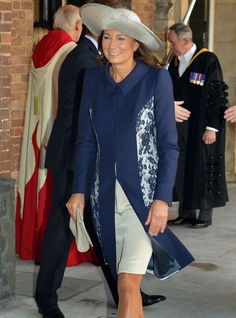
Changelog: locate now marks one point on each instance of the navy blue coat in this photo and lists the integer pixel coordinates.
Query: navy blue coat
(128, 129)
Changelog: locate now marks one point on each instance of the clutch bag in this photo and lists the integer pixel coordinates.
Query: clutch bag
(78, 229)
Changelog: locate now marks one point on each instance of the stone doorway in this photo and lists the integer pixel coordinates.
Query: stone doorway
(199, 23)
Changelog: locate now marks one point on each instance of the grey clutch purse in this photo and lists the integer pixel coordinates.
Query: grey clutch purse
(78, 229)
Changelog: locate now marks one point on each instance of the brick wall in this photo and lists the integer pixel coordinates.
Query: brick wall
(5, 82)
(16, 20)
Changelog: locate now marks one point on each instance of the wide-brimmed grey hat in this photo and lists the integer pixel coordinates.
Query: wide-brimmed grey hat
(98, 17)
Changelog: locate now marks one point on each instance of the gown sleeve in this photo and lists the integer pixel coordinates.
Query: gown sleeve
(215, 95)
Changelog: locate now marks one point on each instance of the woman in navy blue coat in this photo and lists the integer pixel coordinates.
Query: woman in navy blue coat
(126, 154)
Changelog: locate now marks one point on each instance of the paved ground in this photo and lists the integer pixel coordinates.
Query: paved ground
(206, 289)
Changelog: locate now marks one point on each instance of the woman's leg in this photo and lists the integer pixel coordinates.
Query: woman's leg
(130, 301)
(133, 252)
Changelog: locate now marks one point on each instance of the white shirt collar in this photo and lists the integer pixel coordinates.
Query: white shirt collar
(95, 43)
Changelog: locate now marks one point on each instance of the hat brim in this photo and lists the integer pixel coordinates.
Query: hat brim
(98, 17)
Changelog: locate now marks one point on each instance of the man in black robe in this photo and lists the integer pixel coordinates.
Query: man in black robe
(200, 97)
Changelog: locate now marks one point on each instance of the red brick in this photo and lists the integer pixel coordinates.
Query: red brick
(16, 148)
(16, 161)
(19, 14)
(19, 69)
(4, 48)
(25, 77)
(15, 78)
(4, 145)
(17, 114)
(16, 140)
(5, 102)
(17, 50)
(5, 168)
(5, 91)
(4, 124)
(19, 96)
(5, 155)
(5, 81)
(4, 134)
(17, 122)
(5, 6)
(5, 27)
(16, 30)
(5, 113)
(16, 4)
(6, 59)
(27, 5)
(18, 104)
(19, 87)
(18, 131)
(7, 16)
(5, 37)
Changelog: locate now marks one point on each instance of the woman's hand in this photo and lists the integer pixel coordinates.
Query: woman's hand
(157, 217)
(75, 202)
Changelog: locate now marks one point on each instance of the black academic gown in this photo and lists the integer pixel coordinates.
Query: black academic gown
(200, 181)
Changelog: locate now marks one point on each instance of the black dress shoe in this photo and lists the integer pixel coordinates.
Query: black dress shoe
(199, 224)
(181, 221)
(51, 313)
(149, 300)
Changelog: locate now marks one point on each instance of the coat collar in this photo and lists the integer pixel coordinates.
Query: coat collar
(128, 83)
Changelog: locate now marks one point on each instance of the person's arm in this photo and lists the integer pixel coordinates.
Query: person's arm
(167, 154)
(84, 155)
(167, 147)
(230, 114)
(214, 81)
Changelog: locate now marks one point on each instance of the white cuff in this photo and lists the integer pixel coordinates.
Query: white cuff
(211, 128)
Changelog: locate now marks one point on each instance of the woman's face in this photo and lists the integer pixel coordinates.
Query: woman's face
(118, 48)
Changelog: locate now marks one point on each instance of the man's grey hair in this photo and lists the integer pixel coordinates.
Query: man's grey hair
(182, 31)
(66, 17)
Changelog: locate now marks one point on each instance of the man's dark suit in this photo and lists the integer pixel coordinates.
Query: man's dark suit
(58, 236)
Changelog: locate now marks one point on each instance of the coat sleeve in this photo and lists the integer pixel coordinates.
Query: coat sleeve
(212, 96)
(166, 137)
(84, 154)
